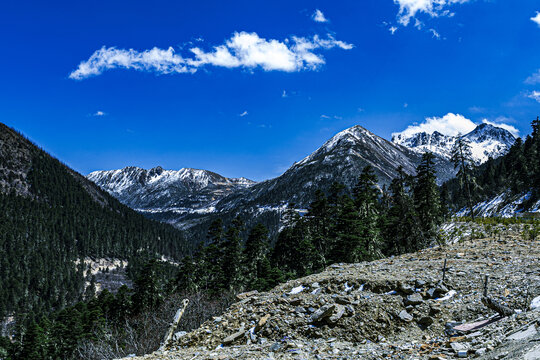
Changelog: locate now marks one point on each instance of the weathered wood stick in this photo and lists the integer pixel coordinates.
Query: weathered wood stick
(443, 271)
(174, 324)
(496, 306)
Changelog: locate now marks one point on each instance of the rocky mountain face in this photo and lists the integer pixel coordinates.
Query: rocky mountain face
(486, 141)
(340, 159)
(402, 307)
(192, 200)
(159, 190)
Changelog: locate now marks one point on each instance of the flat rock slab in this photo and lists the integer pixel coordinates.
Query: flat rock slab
(475, 325)
(521, 335)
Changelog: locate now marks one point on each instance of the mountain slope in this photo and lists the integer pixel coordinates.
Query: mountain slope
(486, 141)
(193, 198)
(51, 217)
(340, 159)
(393, 308)
(185, 190)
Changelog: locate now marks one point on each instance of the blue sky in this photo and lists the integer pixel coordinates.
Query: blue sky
(246, 88)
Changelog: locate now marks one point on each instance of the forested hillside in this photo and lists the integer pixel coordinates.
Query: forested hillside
(51, 216)
(515, 174)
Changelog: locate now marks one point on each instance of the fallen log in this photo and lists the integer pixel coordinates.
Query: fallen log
(174, 325)
(494, 305)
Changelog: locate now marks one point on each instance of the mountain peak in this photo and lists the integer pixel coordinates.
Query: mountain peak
(170, 189)
(486, 141)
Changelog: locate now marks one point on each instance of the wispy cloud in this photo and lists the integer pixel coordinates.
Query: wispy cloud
(435, 34)
(99, 113)
(535, 95)
(318, 16)
(245, 113)
(242, 50)
(408, 9)
(534, 78)
(337, 117)
(536, 18)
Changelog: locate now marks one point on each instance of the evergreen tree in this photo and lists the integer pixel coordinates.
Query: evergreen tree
(254, 254)
(34, 345)
(232, 253)
(462, 160)
(401, 228)
(427, 197)
(148, 290)
(319, 228)
(349, 245)
(366, 198)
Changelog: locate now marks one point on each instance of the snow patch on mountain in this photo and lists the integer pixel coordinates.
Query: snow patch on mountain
(486, 141)
(503, 205)
(180, 191)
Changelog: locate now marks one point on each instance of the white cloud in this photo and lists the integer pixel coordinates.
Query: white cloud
(284, 94)
(242, 50)
(318, 16)
(536, 18)
(435, 34)
(507, 127)
(393, 29)
(534, 78)
(408, 9)
(99, 113)
(534, 95)
(245, 113)
(450, 124)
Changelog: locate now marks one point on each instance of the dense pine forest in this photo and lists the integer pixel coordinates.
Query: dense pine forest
(45, 233)
(50, 218)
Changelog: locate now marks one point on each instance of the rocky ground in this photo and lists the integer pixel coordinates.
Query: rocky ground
(395, 308)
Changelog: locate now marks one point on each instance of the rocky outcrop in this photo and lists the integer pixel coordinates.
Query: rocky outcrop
(392, 308)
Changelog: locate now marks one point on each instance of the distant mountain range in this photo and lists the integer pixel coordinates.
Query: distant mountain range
(180, 197)
(182, 191)
(190, 198)
(486, 141)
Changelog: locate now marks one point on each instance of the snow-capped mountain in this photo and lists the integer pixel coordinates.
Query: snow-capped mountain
(486, 141)
(192, 198)
(340, 159)
(184, 190)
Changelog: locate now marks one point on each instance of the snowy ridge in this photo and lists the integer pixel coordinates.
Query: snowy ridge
(181, 191)
(503, 205)
(486, 141)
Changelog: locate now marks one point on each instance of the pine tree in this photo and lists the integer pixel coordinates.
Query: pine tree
(462, 160)
(366, 198)
(427, 197)
(255, 253)
(349, 245)
(34, 346)
(148, 290)
(319, 227)
(401, 228)
(232, 256)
